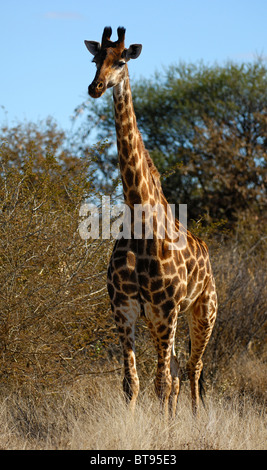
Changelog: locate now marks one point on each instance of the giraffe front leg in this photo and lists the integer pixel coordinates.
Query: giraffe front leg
(125, 321)
(131, 380)
(163, 381)
(167, 381)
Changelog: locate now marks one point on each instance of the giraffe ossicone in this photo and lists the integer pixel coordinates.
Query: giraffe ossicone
(147, 275)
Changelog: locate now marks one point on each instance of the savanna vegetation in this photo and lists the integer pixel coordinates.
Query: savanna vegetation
(61, 365)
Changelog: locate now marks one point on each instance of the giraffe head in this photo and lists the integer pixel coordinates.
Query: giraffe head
(110, 59)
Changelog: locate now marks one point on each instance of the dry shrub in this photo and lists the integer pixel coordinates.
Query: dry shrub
(239, 335)
(53, 302)
(247, 375)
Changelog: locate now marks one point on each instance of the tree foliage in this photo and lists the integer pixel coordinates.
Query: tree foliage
(205, 127)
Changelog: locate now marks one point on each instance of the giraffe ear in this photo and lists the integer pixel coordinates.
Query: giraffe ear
(92, 46)
(133, 52)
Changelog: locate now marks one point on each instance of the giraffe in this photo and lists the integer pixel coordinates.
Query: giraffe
(147, 276)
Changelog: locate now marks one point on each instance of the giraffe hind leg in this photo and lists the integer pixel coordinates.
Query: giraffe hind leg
(201, 320)
(174, 368)
(201, 382)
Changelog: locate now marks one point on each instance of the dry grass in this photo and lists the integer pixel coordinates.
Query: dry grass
(93, 415)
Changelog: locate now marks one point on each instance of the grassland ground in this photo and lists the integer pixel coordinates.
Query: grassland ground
(92, 415)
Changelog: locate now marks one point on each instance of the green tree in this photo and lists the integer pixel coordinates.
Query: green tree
(205, 127)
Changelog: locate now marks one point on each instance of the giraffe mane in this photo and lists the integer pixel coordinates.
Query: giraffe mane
(151, 166)
(155, 175)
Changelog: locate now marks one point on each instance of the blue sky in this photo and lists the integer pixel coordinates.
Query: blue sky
(46, 69)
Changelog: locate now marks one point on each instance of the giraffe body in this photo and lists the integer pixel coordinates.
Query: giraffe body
(146, 275)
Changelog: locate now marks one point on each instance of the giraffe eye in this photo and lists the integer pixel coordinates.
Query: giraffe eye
(118, 65)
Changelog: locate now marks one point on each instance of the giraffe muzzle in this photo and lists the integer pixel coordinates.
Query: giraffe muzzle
(96, 89)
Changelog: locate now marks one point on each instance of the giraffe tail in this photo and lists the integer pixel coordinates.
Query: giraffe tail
(202, 391)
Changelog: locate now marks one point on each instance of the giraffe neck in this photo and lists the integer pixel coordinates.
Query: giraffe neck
(140, 178)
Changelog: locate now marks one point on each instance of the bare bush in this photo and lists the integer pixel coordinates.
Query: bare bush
(54, 306)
